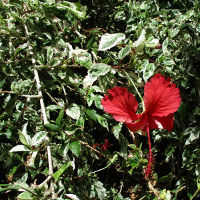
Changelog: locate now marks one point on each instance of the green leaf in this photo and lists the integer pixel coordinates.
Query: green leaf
(32, 158)
(98, 190)
(95, 71)
(57, 174)
(103, 121)
(19, 148)
(90, 42)
(123, 145)
(7, 187)
(173, 32)
(194, 135)
(92, 114)
(73, 111)
(75, 147)
(2, 83)
(24, 137)
(49, 54)
(51, 127)
(25, 196)
(116, 130)
(72, 197)
(53, 107)
(198, 183)
(59, 118)
(110, 40)
(83, 58)
(148, 71)
(151, 42)
(164, 47)
(124, 51)
(73, 7)
(139, 44)
(38, 138)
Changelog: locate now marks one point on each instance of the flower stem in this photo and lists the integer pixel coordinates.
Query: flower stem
(148, 169)
(135, 89)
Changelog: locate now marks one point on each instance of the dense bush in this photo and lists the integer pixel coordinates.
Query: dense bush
(57, 60)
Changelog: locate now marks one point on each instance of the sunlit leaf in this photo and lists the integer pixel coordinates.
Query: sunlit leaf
(110, 40)
(96, 70)
(59, 173)
(73, 111)
(25, 196)
(123, 52)
(38, 138)
(75, 147)
(19, 148)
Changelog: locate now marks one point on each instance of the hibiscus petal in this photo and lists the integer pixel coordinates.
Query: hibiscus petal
(121, 104)
(139, 125)
(166, 122)
(161, 97)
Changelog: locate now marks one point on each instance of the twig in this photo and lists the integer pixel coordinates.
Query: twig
(41, 99)
(47, 139)
(45, 122)
(44, 182)
(22, 95)
(135, 141)
(26, 189)
(93, 149)
(65, 94)
(52, 99)
(43, 112)
(156, 192)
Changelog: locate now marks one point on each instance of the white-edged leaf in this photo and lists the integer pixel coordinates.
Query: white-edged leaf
(110, 40)
(73, 111)
(140, 40)
(123, 52)
(24, 137)
(72, 196)
(73, 7)
(98, 190)
(25, 196)
(31, 160)
(166, 52)
(95, 71)
(49, 54)
(83, 57)
(53, 107)
(148, 70)
(139, 44)
(102, 121)
(75, 148)
(38, 138)
(58, 173)
(19, 148)
(151, 42)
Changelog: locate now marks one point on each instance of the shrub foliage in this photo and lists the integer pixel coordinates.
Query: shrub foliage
(57, 60)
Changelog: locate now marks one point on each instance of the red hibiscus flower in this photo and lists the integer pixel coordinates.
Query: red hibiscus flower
(161, 100)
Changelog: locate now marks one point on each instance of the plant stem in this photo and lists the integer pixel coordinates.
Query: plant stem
(156, 192)
(41, 99)
(53, 99)
(22, 95)
(135, 90)
(44, 182)
(42, 110)
(195, 193)
(45, 122)
(148, 170)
